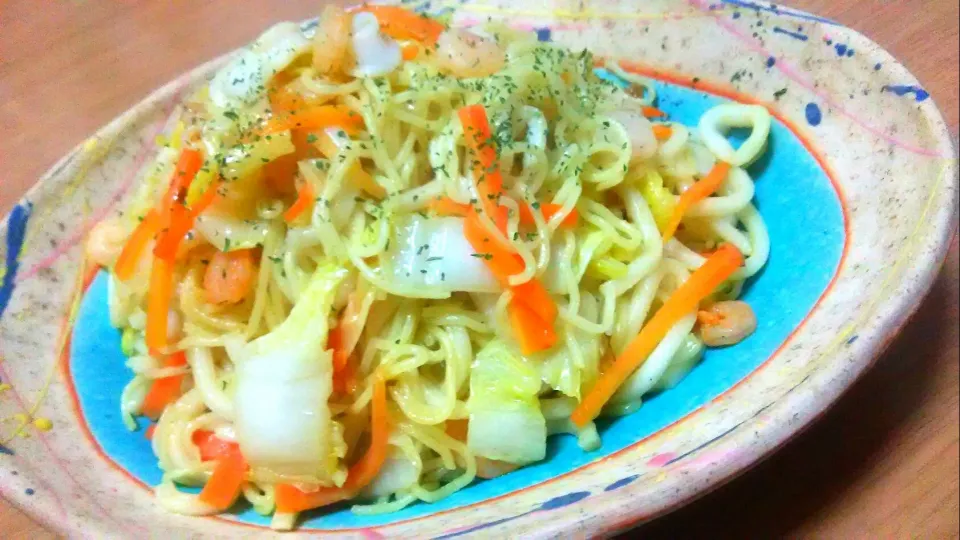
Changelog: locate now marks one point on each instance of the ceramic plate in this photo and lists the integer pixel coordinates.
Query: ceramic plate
(858, 189)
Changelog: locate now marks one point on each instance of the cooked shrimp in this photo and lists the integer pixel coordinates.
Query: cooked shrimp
(643, 143)
(332, 40)
(229, 276)
(726, 323)
(463, 54)
(106, 242)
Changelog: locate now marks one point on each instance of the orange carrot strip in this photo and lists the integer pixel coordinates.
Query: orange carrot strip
(653, 112)
(410, 51)
(304, 202)
(499, 258)
(289, 498)
(164, 391)
(536, 297)
(457, 429)
(364, 471)
(158, 304)
(212, 447)
(533, 333)
(662, 132)
(224, 486)
(187, 167)
(400, 23)
(445, 206)
(684, 300)
(479, 138)
(318, 117)
(205, 200)
(133, 249)
(697, 192)
(179, 222)
(548, 210)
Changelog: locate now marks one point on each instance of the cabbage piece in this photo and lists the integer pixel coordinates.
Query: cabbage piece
(228, 234)
(505, 419)
(658, 197)
(241, 160)
(433, 253)
(283, 381)
(645, 378)
(684, 360)
(398, 473)
(244, 79)
(376, 54)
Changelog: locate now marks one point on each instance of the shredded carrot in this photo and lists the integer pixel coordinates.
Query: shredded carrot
(364, 471)
(164, 391)
(179, 222)
(536, 297)
(290, 499)
(335, 344)
(548, 210)
(501, 261)
(133, 249)
(313, 118)
(229, 276)
(457, 429)
(400, 23)
(212, 447)
(345, 380)
(532, 332)
(653, 112)
(187, 167)
(148, 434)
(698, 192)
(479, 139)
(445, 206)
(410, 51)
(205, 200)
(662, 132)
(683, 301)
(158, 304)
(305, 199)
(225, 484)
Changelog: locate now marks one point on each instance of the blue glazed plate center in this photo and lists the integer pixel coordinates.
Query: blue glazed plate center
(805, 221)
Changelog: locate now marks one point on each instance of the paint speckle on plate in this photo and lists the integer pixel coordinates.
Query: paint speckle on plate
(543, 34)
(813, 113)
(564, 500)
(621, 482)
(902, 90)
(29, 491)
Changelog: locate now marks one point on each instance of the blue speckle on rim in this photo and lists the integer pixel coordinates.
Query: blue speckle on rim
(29, 491)
(771, 62)
(852, 340)
(543, 34)
(878, 67)
(564, 500)
(16, 232)
(621, 482)
(5, 451)
(841, 49)
(814, 116)
(795, 35)
(901, 90)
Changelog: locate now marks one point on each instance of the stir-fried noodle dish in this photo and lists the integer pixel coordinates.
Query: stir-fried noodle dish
(380, 258)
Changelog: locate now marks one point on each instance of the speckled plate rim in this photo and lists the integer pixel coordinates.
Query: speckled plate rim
(785, 417)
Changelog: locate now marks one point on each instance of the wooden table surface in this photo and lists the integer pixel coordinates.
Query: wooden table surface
(883, 462)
